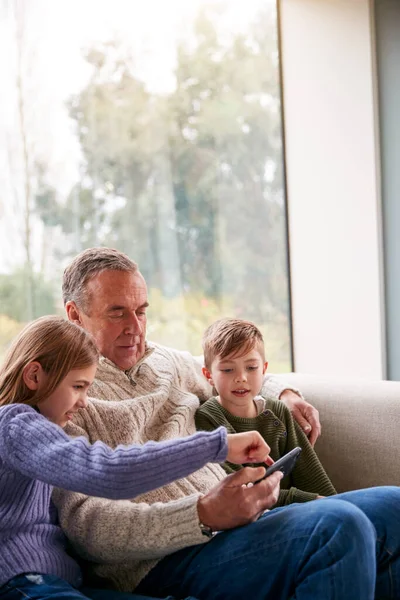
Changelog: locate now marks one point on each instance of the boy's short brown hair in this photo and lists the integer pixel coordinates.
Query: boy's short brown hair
(230, 336)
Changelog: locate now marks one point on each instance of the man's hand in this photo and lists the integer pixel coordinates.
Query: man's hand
(230, 505)
(306, 415)
(248, 447)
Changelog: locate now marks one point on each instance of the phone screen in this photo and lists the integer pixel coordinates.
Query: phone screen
(284, 464)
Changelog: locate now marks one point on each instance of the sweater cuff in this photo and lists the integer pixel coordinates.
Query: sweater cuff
(273, 388)
(300, 496)
(189, 530)
(223, 450)
(211, 445)
(294, 495)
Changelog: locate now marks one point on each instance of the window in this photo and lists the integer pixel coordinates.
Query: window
(153, 127)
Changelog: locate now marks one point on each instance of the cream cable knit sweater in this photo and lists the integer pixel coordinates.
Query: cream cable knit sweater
(155, 400)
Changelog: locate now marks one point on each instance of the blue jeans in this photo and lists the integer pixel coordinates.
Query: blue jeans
(346, 547)
(35, 586)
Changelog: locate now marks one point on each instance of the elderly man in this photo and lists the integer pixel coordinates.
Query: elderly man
(166, 541)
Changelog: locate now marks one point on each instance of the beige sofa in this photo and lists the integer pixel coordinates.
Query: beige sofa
(360, 442)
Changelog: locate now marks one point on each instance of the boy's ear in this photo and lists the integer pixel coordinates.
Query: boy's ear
(33, 375)
(207, 375)
(265, 367)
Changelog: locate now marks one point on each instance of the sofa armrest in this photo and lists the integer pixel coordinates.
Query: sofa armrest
(360, 442)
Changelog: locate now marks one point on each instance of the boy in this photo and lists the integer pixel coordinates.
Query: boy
(235, 365)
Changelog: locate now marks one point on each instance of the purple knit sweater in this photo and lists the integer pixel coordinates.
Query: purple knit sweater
(36, 455)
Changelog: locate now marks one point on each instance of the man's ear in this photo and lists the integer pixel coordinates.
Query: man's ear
(265, 367)
(73, 313)
(33, 375)
(207, 375)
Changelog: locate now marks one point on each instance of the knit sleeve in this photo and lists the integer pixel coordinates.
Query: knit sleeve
(189, 374)
(294, 495)
(207, 418)
(308, 478)
(105, 531)
(273, 387)
(39, 449)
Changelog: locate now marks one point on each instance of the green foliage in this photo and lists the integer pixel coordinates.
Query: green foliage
(8, 330)
(181, 321)
(13, 294)
(226, 128)
(188, 183)
(46, 206)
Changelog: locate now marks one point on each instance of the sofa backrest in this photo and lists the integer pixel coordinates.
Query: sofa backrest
(360, 442)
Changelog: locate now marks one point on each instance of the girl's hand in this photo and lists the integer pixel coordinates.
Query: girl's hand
(248, 447)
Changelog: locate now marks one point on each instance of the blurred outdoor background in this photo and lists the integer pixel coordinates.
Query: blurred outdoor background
(154, 128)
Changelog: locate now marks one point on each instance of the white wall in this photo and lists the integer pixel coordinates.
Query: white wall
(332, 162)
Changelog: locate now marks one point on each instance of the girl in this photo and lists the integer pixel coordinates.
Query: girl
(44, 380)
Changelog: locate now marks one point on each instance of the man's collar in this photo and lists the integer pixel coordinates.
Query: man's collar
(133, 370)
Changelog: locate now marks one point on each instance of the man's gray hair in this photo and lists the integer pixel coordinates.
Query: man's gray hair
(87, 265)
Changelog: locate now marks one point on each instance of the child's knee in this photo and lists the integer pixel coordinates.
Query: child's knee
(341, 519)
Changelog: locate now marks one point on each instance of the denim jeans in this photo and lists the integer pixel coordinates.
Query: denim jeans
(346, 547)
(35, 586)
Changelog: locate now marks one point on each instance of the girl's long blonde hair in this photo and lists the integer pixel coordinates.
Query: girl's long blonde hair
(58, 345)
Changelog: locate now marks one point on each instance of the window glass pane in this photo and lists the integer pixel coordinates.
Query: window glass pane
(153, 127)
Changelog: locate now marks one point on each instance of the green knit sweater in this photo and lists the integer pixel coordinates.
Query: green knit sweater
(274, 422)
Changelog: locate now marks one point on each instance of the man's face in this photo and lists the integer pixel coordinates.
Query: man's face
(115, 315)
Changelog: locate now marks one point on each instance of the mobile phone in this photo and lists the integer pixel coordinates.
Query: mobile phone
(284, 464)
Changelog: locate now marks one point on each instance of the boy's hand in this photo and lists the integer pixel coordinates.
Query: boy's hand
(248, 447)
